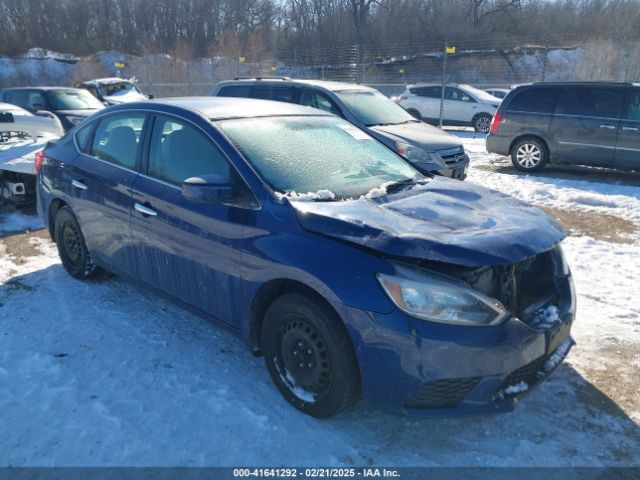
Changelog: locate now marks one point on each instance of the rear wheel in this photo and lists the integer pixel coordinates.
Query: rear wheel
(482, 122)
(309, 355)
(529, 155)
(71, 246)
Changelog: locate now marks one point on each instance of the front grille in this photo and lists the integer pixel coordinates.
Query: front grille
(442, 393)
(529, 374)
(452, 156)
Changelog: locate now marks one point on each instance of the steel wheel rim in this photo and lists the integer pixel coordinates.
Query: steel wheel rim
(302, 357)
(528, 155)
(71, 243)
(483, 123)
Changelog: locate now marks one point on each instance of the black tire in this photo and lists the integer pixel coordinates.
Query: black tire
(310, 356)
(529, 154)
(72, 248)
(482, 122)
(414, 113)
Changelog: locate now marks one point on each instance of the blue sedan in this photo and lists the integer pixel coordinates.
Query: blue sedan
(350, 272)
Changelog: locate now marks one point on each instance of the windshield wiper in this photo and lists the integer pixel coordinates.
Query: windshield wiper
(403, 184)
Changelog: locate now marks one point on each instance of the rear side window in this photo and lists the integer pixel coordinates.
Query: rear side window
(279, 94)
(83, 136)
(633, 107)
(180, 151)
(19, 97)
(592, 102)
(239, 91)
(535, 100)
(116, 139)
(431, 92)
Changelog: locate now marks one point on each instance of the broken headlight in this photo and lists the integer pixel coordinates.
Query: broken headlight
(437, 298)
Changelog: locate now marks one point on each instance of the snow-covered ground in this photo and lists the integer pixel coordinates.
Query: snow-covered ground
(103, 373)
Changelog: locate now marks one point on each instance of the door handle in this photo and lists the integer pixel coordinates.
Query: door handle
(78, 184)
(145, 210)
(631, 129)
(608, 127)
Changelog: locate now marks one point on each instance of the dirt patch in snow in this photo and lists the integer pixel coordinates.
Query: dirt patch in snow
(19, 247)
(600, 226)
(617, 377)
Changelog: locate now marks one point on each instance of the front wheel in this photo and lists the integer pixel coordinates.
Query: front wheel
(71, 246)
(482, 122)
(529, 155)
(309, 355)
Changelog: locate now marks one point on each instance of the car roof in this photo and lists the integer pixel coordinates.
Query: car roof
(218, 108)
(326, 84)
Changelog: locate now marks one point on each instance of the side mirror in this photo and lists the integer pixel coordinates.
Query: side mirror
(207, 189)
(44, 113)
(6, 117)
(151, 96)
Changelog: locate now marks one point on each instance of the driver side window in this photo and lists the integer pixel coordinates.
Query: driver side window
(180, 151)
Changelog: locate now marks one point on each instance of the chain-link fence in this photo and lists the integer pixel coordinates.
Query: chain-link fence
(484, 64)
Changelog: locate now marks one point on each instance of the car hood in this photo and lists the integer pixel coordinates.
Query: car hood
(419, 134)
(444, 220)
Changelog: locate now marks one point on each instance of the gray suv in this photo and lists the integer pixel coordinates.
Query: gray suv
(429, 149)
(595, 124)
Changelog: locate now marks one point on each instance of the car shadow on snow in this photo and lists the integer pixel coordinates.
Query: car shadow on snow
(112, 335)
(568, 172)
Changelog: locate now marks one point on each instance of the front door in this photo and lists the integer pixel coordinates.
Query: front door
(628, 148)
(188, 250)
(585, 126)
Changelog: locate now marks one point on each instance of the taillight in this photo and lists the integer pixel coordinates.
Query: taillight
(495, 123)
(40, 157)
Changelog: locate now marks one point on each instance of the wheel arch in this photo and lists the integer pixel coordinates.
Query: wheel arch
(55, 205)
(524, 136)
(266, 295)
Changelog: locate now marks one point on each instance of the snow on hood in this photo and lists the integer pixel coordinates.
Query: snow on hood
(419, 134)
(445, 220)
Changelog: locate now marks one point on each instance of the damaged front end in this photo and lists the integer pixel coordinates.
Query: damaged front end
(538, 292)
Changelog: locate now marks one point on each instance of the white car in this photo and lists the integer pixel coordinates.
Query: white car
(22, 134)
(16, 121)
(464, 105)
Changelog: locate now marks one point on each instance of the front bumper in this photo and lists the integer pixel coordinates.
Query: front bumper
(420, 368)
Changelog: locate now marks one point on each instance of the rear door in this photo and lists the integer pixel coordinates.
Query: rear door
(627, 154)
(187, 250)
(427, 100)
(585, 126)
(101, 180)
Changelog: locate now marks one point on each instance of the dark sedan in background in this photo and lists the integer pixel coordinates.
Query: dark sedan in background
(70, 105)
(351, 272)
